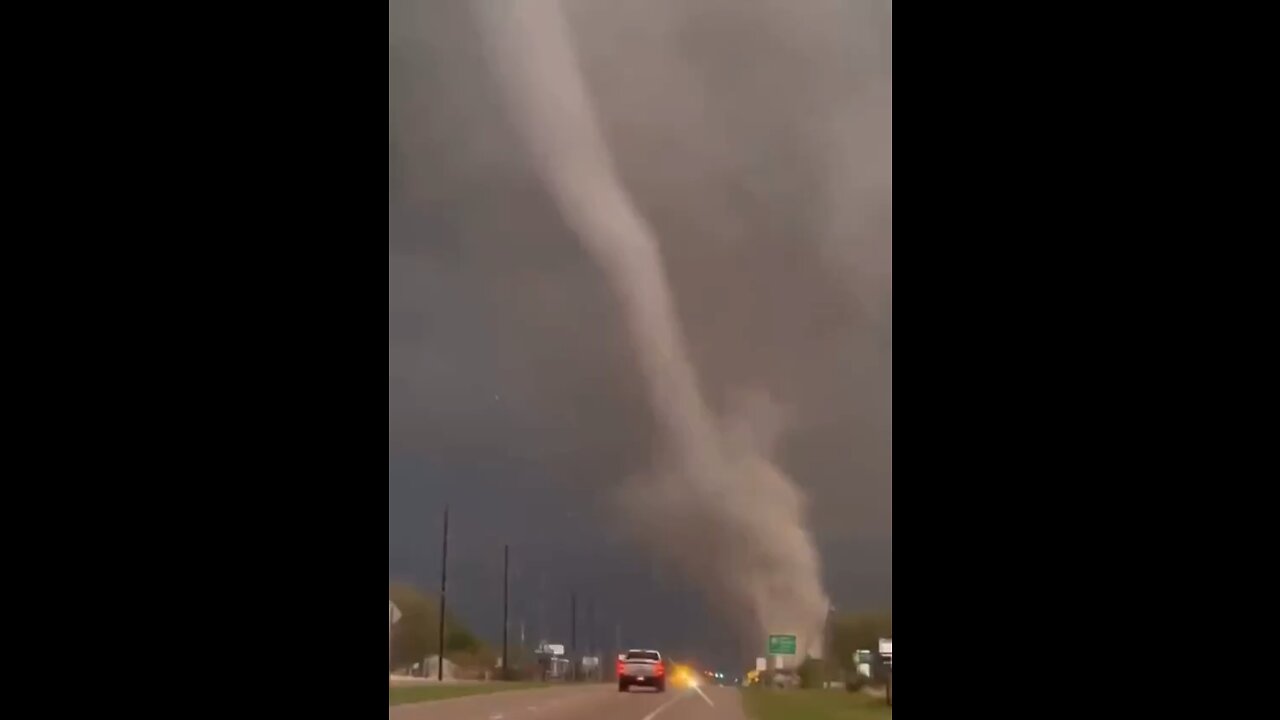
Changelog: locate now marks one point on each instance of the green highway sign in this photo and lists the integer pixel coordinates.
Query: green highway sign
(782, 644)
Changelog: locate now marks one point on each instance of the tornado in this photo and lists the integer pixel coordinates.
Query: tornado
(714, 501)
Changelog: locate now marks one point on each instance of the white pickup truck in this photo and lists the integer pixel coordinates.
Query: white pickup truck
(644, 668)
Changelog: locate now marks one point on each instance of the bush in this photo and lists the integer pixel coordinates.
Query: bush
(811, 673)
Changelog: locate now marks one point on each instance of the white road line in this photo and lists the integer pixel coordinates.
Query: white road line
(666, 705)
(704, 696)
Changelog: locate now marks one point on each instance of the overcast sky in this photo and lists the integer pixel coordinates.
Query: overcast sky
(758, 144)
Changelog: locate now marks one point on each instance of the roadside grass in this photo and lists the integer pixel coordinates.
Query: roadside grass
(423, 693)
(768, 704)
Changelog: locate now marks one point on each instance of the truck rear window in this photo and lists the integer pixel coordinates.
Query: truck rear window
(642, 655)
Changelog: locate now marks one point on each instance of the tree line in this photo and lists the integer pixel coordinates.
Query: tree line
(848, 634)
(417, 635)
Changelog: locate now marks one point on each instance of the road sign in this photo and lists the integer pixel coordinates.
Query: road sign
(393, 616)
(782, 644)
(761, 664)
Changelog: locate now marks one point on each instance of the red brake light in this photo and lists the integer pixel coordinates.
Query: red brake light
(660, 668)
(620, 669)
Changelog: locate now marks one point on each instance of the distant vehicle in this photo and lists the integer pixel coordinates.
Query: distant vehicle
(785, 679)
(644, 668)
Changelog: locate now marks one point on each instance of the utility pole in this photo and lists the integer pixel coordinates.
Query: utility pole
(506, 564)
(541, 630)
(444, 567)
(827, 646)
(591, 628)
(573, 634)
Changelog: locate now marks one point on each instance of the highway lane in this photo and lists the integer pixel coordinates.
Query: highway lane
(591, 702)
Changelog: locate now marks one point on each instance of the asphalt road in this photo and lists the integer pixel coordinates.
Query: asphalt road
(578, 702)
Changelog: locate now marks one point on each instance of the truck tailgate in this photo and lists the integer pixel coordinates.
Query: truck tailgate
(640, 668)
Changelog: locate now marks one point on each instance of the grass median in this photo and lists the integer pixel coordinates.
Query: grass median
(765, 704)
(424, 693)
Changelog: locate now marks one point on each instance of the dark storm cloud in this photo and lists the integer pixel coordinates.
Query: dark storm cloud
(757, 142)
